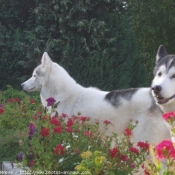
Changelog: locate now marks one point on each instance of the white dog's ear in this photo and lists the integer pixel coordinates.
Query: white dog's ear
(45, 60)
(161, 53)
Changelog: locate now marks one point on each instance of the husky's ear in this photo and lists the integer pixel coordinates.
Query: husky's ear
(161, 53)
(45, 60)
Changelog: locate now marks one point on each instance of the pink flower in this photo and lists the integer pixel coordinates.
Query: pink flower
(57, 130)
(165, 149)
(113, 152)
(128, 132)
(168, 115)
(50, 101)
(134, 150)
(107, 122)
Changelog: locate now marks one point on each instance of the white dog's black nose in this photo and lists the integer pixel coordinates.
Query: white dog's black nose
(22, 85)
(157, 89)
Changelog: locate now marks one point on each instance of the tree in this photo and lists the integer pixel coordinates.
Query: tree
(153, 23)
(92, 39)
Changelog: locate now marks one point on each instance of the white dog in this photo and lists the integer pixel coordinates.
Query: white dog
(119, 107)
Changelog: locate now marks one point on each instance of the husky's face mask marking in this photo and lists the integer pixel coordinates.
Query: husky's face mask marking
(163, 84)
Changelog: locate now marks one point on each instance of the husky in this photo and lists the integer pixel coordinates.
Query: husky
(120, 107)
(163, 84)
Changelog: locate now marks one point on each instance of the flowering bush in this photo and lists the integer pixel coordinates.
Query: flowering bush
(67, 143)
(163, 153)
(64, 143)
(16, 109)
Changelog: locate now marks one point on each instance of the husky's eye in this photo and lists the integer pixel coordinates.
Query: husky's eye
(173, 76)
(159, 74)
(34, 75)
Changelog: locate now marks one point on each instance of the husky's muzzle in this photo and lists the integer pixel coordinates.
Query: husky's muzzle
(160, 100)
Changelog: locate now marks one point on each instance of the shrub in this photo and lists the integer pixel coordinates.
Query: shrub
(163, 152)
(92, 39)
(16, 109)
(63, 143)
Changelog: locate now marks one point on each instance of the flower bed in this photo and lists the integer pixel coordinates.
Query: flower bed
(31, 136)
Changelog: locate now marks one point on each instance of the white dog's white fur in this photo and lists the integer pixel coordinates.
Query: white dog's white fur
(53, 81)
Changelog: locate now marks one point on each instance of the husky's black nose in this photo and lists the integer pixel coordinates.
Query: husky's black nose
(157, 89)
(22, 85)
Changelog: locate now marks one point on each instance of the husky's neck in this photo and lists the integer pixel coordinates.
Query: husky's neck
(60, 85)
(168, 107)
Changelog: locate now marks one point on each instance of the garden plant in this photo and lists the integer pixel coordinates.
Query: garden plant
(56, 143)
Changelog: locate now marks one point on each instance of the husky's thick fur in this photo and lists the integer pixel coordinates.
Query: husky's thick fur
(163, 84)
(119, 107)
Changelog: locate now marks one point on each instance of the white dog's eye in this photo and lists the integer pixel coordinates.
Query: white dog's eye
(159, 74)
(34, 75)
(173, 76)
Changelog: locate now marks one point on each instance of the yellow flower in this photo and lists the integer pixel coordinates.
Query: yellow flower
(80, 168)
(97, 153)
(86, 155)
(99, 160)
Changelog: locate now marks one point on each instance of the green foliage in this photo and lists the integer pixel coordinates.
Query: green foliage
(62, 143)
(153, 23)
(92, 39)
(16, 111)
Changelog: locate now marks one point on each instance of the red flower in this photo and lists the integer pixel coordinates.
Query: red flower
(59, 150)
(168, 115)
(32, 102)
(76, 150)
(45, 132)
(107, 122)
(128, 132)
(113, 152)
(13, 100)
(57, 130)
(76, 118)
(1, 111)
(35, 117)
(31, 163)
(64, 115)
(88, 134)
(69, 129)
(84, 118)
(165, 149)
(54, 121)
(124, 157)
(70, 122)
(44, 118)
(143, 145)
(146, 172)
(134, 150)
